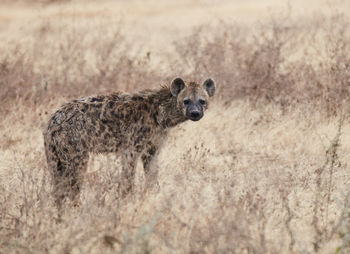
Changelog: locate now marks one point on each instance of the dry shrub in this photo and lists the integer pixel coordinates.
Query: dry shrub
(65, 60)
(284, 61)
(15, 75)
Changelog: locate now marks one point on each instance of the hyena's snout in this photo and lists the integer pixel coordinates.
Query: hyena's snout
(194, 112)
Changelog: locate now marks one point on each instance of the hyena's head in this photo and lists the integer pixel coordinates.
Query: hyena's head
(192, 98)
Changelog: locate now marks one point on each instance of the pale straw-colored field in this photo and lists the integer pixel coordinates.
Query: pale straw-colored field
(265, 171)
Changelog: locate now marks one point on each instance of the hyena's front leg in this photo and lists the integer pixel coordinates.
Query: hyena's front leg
(151, 172)
(128, 172)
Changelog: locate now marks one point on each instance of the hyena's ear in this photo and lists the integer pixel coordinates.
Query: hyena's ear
(176, 86)
(209, 86)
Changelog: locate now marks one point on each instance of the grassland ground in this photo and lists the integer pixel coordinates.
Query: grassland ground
(265, 171)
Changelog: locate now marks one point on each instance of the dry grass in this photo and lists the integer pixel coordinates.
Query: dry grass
(265, 171)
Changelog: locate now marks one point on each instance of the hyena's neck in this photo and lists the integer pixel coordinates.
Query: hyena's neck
(168, 114)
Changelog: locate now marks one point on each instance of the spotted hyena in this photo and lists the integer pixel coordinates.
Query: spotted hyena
(132, 125)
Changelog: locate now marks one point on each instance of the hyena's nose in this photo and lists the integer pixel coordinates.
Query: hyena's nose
(195, 115)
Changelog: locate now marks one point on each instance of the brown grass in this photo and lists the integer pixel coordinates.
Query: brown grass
(265, 171)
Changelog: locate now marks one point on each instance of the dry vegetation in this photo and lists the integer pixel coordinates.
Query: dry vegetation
(266, 170)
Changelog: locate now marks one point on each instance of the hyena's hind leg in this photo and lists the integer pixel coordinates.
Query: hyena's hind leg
(151, 172)
(54, 166)
(67, 175)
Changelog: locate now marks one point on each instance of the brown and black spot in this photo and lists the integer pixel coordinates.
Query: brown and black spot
(83, 143)
(97, 105)
(111, 104)
(84, 108)
(97, 99)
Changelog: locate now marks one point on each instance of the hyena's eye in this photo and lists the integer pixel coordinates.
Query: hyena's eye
(186, 101)
(202, 102)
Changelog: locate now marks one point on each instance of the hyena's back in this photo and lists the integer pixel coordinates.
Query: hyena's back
(88, 125)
